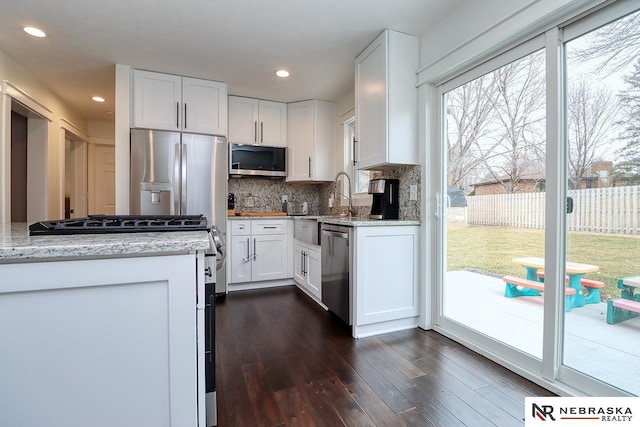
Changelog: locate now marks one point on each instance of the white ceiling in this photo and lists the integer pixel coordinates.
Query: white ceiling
(240, 42)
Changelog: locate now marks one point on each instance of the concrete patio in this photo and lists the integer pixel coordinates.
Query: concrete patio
(610, 353)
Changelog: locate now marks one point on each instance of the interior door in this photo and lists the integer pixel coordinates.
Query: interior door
(102, 191)
(76, 178)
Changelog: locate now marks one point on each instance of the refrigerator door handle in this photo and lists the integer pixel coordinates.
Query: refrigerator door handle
(175, 185)
(183, 184)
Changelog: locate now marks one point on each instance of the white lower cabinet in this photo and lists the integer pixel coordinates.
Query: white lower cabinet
(307, 268)
(385, 279)
(259, 250)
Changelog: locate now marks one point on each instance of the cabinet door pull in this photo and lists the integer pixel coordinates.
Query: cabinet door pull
(185, 115)
(261, 132)
(255, 131)
(273, 227)
(248, 258)
(254, 249)
(354, 151)
(177, 115)
(302, 263)
(309, 166)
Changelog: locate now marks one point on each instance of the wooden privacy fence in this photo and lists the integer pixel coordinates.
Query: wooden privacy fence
(600, 210)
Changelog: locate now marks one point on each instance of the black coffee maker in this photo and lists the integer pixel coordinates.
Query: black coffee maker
(385, 198)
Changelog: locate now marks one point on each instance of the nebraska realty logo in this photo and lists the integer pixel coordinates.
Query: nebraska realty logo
(582, 411)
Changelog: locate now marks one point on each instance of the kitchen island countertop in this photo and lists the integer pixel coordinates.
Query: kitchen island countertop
(16, 245)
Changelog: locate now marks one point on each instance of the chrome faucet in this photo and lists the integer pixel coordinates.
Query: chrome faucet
(352, 211)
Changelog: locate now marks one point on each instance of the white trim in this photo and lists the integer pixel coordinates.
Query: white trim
(72, 128)
(5, 159)
(348, 115)
(555, 218)
(27, 100)
(516, 52)
(121, 137)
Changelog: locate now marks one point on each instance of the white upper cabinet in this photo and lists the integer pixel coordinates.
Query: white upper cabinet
(254, 121)
(387, 102)
(204, 104)
(168, 102)
(311, 135)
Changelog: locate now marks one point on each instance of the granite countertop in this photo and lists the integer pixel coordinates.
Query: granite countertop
(339, 220)
(365, 222)
(17, 245)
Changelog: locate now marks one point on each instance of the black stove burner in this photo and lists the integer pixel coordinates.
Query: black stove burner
(100, 224)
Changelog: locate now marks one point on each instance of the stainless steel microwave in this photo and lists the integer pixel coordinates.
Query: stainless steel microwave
(257, 160)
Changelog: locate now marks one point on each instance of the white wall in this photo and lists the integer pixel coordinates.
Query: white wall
(101, 132)
(479, 27)
(49, 173)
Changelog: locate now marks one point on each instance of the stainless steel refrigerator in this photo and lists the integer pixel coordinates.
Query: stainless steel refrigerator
(174, 173)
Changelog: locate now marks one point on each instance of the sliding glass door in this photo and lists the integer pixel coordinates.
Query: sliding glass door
(495, 153)
(601, 333)
(538, 205)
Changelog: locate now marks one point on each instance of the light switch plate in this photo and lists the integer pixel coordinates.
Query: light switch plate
(285, 199)
(413, 192)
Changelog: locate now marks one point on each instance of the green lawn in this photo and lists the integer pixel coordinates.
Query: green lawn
(491, 249)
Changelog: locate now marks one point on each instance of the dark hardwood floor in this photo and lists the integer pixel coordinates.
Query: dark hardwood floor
(282, 360)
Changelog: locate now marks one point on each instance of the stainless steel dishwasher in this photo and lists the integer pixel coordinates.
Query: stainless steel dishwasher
(336, 278)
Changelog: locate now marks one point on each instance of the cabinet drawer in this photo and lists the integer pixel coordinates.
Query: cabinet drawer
(268, 226)
(240, 228)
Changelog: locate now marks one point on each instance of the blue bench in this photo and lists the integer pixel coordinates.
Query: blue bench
(627, 307)
(519, 287)
(591, 286)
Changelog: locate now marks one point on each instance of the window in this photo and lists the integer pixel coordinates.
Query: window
(360, 177)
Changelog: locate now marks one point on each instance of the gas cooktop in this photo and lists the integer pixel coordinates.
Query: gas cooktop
(100, 224)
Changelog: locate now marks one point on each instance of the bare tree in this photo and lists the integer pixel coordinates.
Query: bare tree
(518, 105)
(616, 44)
(591, 119)
(469, 108)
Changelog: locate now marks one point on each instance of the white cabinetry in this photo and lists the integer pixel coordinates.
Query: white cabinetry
(168, 102)
(259, 250)
(307, 268)
(386, 102)
(385, 277)
(311, 135)
(106, 342)
(254, 121)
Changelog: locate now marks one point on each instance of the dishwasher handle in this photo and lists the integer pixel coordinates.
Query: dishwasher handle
(335, 234)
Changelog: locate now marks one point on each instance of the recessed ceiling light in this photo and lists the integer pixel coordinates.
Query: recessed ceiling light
(35, 32)
(282, 73)
(97, 98)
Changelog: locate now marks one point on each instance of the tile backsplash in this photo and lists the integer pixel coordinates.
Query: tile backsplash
(265, 195)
